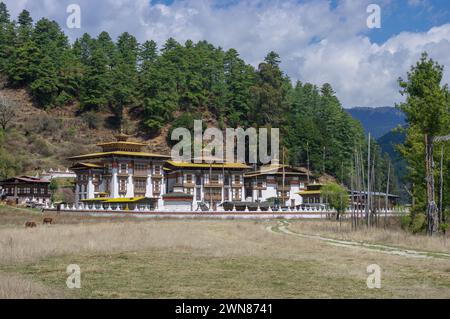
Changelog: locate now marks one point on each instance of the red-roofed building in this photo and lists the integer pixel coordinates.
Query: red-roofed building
(26, 189)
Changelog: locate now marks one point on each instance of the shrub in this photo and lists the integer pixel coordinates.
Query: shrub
(418, 223)
(405, 222)
(40, 146)
(92, 119)
(63, 99)
(47, 124)
(69, 134)
(443, 227)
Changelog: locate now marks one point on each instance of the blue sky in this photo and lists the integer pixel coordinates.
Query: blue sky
(413, 16)
(319, 41)
(398, 15)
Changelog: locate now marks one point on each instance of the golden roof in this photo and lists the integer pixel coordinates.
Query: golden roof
(310, 193)
(115, 200)
(272, 169)
(124, 200)
(117, 153)
(206, 165)
(86, 165)
(122, 137)
(121, 143)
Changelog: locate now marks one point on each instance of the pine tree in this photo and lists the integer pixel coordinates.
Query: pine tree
(25, 20)
(269, 95)
(124, 74)
(23, 64)
(45, 89)
(148, 54)
(160, 98)
(7, 35)
(427, 109)
(106, 44)
(239, 78)
(4, 14)
(95, 88)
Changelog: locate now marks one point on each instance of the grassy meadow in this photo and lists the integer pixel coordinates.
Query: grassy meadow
(126, 258)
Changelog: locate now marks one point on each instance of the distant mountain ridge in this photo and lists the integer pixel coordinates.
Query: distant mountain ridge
(388, 144)
(378, 120)
(381, 122)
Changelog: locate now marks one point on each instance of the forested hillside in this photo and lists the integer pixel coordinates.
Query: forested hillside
(146, 89)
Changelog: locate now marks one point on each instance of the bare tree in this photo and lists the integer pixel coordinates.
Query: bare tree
(7, 112)
(439, 139)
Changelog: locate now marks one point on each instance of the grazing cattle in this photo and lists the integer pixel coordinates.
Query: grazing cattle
(30, 225)
(48, 221)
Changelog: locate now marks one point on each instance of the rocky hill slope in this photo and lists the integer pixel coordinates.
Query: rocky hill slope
(40, 139)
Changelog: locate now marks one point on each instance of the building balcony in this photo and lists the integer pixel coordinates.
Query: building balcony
(185, 184)
(140, 173)
(189, 184)
(260, 187)
(216, 198)
(213, 184)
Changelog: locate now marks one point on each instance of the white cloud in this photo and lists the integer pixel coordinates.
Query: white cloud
(317, 43)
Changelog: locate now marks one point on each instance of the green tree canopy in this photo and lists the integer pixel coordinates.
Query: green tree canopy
(337, 197)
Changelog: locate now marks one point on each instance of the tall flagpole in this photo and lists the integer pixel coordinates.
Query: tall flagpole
(368, 184)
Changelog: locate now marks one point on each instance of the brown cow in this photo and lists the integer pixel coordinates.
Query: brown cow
(30, 225)
(48, 221)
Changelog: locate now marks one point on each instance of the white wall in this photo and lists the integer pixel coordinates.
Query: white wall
(177, 206)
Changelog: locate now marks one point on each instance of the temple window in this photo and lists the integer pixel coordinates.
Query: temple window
(214, 179)
(140, 168)
(156, 187)
(122, 186)
(226, 195)
(140, 184)
(236, 194)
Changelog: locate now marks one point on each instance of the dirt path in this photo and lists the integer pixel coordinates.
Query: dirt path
(282, 227)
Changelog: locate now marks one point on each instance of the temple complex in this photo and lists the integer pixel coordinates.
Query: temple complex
(121, 173)
(211, 184)
(277, 182)
(121, 176)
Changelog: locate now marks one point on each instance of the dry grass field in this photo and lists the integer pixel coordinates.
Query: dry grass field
(124, 258)
(390, 236)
